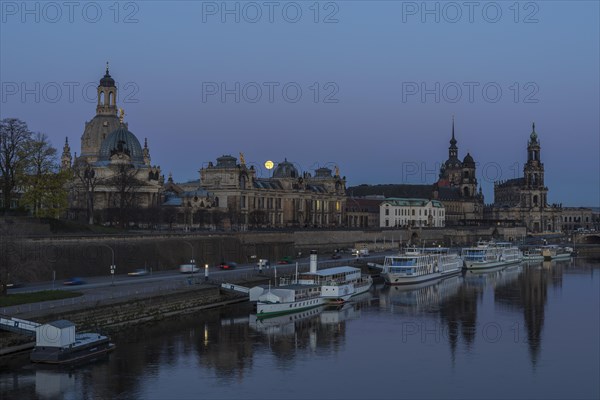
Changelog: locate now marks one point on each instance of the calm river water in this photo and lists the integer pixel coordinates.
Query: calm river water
(528, 331)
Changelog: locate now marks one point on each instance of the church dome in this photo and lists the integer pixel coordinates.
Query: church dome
(285, 169)
(468, 160)
(122, 141)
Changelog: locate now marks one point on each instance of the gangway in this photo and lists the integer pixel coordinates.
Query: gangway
(18, 325)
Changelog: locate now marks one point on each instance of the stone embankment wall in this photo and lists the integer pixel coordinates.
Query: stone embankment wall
(112, 318)
(92, 256)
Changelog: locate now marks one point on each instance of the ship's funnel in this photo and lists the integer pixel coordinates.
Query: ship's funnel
(313, 261)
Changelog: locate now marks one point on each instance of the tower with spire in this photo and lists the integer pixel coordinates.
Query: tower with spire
(459, 174)
(104, 122)
(526, 198)
(66, 159)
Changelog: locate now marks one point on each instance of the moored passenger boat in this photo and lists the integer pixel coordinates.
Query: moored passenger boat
(533, 254)
(414, 266)
(338, 284)
(288, 299)
(489, 255)
(554, 252)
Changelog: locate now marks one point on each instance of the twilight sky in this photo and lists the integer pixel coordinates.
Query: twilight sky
(370, 86)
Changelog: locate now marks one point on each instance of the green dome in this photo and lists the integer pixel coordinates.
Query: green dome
(122, 141)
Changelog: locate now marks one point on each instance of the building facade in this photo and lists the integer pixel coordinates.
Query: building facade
(113, 170)
(456, 188)
(404, 213)
(287, 199)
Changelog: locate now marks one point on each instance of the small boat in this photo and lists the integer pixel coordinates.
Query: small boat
(491, 254)
(288, 299)
(554, 252)
(415, 266)
(533, 254)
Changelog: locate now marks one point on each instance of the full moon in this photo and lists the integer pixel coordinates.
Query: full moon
(269, 164)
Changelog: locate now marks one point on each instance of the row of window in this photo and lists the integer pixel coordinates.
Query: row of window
(406, 212)
(270, 203)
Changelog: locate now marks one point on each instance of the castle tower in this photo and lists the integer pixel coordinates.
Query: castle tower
(469, 180)
(452, 169)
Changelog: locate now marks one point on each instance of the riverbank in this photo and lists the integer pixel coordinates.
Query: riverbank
(118, 315)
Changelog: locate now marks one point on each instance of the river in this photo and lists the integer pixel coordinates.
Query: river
(526, 331)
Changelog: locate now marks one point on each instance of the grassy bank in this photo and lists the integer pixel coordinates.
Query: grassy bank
(34, 297)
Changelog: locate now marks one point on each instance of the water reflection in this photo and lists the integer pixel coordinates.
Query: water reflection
(230, 348)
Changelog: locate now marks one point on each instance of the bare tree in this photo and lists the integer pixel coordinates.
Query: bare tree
(86, 183)
(15, 137)
(126, 187)
(45, 192)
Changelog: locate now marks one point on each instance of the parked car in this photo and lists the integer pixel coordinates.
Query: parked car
(73, 281)
(336, 256)
(228, 265)
(138, 272)
(285, 260)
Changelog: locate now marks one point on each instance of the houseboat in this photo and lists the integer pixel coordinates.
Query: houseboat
(420, 265)
(58, 343)
(490, 254)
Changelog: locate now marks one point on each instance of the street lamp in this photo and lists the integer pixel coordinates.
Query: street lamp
(192, 260)
(113, 267)
(206, 272)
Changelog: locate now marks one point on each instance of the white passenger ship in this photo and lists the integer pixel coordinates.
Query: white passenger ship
(414, 265)
(337, 284)
(489, 254)
(288, 299)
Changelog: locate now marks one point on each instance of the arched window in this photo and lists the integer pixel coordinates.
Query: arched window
(466, 191)
(111, 98)
(535, 200)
